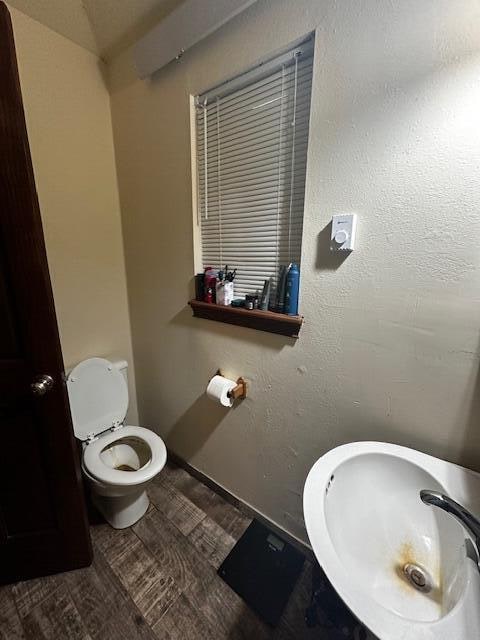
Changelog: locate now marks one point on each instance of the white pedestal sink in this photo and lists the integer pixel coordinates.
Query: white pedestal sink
(366, 524)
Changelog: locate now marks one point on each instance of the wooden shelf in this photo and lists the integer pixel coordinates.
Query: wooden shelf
(254, 319)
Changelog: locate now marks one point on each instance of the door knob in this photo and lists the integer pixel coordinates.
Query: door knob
(41, 385)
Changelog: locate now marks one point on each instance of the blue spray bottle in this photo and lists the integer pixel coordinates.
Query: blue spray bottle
(291, 291)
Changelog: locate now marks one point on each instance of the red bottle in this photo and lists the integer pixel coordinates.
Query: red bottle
(210, 284)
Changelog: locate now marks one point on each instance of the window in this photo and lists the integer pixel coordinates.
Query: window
(252, 137)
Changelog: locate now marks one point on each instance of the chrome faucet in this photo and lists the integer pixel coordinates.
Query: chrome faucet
(469, 521)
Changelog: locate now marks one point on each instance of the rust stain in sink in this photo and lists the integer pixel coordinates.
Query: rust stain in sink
(407, 556)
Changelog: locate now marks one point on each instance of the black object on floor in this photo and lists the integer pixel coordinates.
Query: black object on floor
(328, 611)
(263, 569)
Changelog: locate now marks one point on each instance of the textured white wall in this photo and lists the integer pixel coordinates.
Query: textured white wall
(390, 347)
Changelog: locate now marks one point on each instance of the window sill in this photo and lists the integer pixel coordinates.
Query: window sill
(253, 319)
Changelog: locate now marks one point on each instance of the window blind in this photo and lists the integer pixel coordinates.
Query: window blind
(252, 137)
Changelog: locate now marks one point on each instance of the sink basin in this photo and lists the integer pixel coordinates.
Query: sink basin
(408, 571)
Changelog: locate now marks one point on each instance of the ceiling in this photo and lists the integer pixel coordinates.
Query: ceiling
(104, 27)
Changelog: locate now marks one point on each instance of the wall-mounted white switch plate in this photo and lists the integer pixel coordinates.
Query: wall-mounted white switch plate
(343, 232)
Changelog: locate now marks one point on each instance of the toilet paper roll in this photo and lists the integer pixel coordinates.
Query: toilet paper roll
(218, 389)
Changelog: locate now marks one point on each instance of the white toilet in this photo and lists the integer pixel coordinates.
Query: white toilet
(118, 460)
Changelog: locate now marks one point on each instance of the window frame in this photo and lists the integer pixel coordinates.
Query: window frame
(249, 76)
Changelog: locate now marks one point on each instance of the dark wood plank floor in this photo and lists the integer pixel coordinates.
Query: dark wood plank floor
(156, 580)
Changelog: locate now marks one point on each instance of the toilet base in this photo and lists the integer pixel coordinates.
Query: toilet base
(122, 511)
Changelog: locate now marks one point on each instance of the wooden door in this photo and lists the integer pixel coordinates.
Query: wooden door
(43, 524)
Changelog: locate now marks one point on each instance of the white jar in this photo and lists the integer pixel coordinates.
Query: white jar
(224, 293)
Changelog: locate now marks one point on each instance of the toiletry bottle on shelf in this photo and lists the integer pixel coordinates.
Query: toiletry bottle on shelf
(200, 286)
(210, 284)
(265, 299)
(281, 285)
(291, 290)
(209, 294)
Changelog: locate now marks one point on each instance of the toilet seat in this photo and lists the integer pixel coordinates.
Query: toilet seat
(97, 468)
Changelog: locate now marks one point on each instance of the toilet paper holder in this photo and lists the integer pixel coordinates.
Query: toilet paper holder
(240, 391)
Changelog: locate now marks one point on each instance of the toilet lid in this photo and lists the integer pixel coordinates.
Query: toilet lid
(98, 396)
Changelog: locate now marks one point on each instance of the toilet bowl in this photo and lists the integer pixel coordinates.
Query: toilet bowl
(118, 460)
